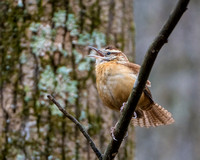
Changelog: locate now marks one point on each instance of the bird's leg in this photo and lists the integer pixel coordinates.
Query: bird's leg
(122, 108)
(135, 115)
(113, 128)
(112, 132)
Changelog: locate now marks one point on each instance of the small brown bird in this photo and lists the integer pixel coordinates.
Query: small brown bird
(115, 77)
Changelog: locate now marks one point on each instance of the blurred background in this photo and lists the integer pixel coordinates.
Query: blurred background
(175, 81)
(43, 50)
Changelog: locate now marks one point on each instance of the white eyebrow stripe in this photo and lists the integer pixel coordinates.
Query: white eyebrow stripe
(113, 50)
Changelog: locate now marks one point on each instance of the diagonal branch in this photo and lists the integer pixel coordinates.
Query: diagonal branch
(139, 85)
(81, 128)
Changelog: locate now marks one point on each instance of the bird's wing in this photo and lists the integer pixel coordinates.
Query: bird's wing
(147, 92)
(135, 68)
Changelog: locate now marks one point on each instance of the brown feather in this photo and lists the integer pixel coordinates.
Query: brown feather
(154, 117)
(115, 77)
(110, 47)
(147, 92)
(135, 68)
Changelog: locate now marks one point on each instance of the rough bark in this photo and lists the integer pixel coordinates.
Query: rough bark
(28, 126)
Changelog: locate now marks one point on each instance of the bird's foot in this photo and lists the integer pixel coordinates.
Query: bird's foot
(122, 107)
(135, 115)
(112, 132)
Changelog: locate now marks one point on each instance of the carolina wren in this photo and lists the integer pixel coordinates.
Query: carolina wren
(115, 77)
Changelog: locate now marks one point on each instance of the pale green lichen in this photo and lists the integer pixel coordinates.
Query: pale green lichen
(59, 18)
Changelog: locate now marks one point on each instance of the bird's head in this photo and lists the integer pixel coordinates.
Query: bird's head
(108, 54)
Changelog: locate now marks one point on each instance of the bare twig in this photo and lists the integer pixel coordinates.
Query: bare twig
(81, 128)
(148, 62)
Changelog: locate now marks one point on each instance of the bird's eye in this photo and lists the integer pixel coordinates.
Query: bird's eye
(108, 53)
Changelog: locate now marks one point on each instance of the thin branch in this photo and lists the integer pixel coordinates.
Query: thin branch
(81, 128)
(139, 85)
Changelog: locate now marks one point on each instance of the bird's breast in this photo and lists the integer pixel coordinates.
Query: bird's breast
(114, 83)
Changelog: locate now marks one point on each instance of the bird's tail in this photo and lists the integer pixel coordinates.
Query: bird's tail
(154, 116)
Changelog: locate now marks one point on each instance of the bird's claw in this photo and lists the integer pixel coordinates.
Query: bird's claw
(112, 133)
(135, 115)
(122, 107)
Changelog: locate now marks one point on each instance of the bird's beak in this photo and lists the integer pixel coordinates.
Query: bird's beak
(95, 56)
(100, 57)
(98, 51)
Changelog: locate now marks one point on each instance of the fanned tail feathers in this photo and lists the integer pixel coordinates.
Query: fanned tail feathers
(155, 116)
